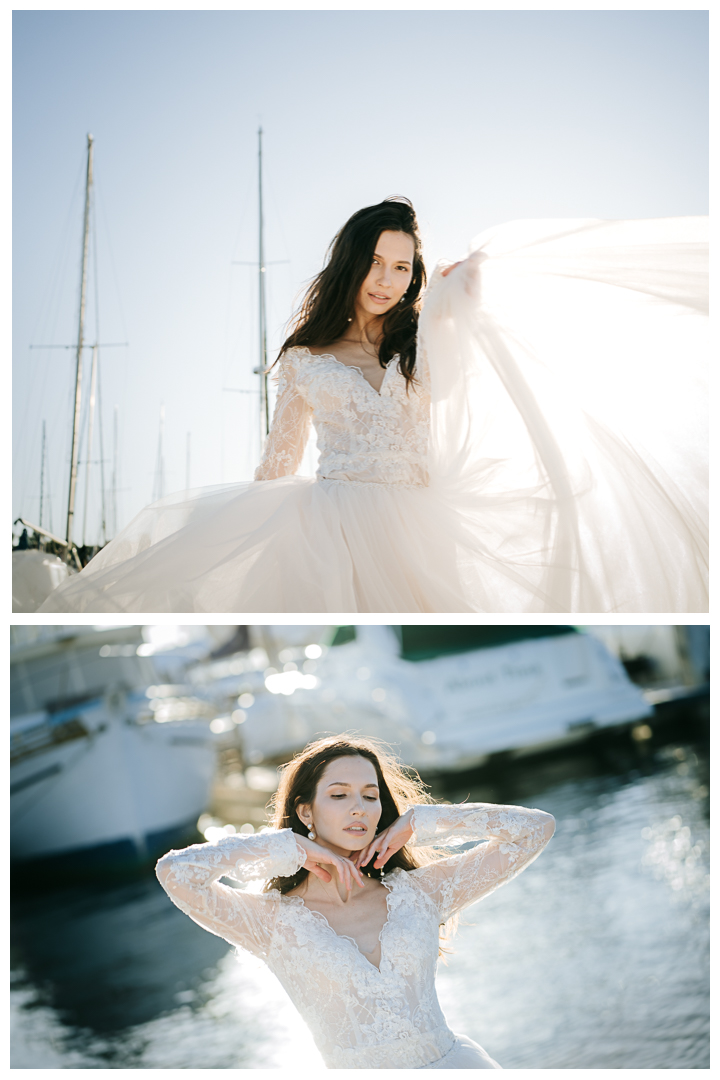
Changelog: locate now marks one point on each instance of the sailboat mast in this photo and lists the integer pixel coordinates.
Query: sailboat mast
(42, 473)
(264, 407)
(159, 485)
(114, 472)
(91, 418)
(81, 328)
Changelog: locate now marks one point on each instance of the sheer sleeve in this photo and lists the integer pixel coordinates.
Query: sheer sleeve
(515, 837)
(422, 367)
(290, 427)
(190, 878)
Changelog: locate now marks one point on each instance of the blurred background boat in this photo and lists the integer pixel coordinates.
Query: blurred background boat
(447, 697)
(108, 770)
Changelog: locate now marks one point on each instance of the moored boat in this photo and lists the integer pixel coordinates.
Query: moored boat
(107, 770)
(447, 697)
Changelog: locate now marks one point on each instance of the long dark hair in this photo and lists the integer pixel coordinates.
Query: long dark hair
(399, 789)
(329, 302)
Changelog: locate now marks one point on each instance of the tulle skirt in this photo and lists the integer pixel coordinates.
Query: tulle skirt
(465, 1054)
(301, 545)
(294, 544)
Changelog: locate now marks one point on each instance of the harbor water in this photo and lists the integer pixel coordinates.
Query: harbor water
(595, 958)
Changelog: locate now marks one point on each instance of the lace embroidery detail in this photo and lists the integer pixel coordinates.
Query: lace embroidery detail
(361, 1016)
(363, 435)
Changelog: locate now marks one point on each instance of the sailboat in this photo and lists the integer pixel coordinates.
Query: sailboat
(37, 572)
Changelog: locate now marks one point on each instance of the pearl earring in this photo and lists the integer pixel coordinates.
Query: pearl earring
(311, 834)
(350, 319)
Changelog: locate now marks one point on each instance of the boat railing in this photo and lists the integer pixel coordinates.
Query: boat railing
(71, 550)
(42, 737)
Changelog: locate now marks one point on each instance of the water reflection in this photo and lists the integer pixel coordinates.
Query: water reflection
(120, 978)
(595, 958)
(598, 958)
(121, 956)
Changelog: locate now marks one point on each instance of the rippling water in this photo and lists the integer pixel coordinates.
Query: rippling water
(595, 957)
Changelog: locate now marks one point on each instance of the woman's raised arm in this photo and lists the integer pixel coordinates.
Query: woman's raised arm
(190, 878)
(515, 836)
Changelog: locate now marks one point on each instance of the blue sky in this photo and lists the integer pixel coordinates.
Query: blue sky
(480, 117)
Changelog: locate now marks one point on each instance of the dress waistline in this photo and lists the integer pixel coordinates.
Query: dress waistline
(370, 483)
(412, 1051)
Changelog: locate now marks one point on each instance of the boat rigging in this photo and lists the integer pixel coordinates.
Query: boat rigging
(69, 544)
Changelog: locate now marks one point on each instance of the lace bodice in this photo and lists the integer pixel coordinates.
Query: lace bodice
(361, 1016)
(362, 434)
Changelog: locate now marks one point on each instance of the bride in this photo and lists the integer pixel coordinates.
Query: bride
(354, 905)
(527, 435)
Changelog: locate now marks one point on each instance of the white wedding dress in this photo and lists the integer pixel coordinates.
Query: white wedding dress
(362, 1016)
(551, 456)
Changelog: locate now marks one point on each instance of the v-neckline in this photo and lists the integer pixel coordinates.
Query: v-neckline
(351, 367)
(346, 937)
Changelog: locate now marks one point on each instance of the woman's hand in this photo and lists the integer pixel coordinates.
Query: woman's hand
(387, 842)
(471, 272)
(318, 857)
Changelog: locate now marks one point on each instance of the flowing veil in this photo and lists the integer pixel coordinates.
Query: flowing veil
(568, 367)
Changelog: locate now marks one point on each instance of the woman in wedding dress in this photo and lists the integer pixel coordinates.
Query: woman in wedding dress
(355, 905)
(527, 435)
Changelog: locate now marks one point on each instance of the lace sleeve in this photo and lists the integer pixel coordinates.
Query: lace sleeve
(515, 836)
(190, 878)
(290, 426)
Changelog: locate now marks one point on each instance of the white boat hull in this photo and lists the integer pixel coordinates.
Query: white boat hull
(113, 795)
(34, 576)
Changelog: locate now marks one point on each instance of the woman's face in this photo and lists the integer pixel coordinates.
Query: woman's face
(346, 809)
(389, 276)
